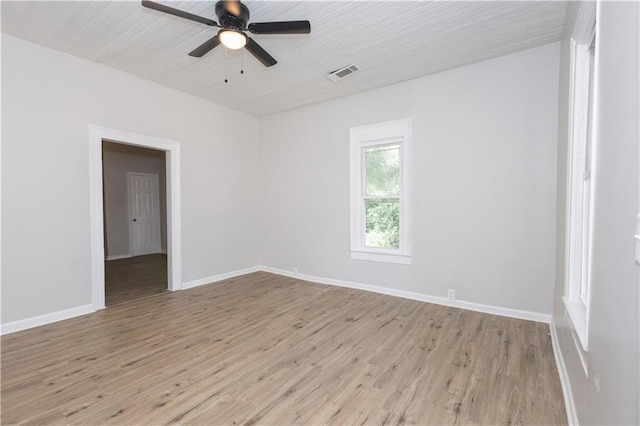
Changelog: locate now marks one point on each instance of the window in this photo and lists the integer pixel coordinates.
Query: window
(380, 196)
(580, 171)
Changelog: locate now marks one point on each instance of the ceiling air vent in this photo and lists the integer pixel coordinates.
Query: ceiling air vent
(341, 73)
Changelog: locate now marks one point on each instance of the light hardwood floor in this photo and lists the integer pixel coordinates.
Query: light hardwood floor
(135, 277)
(265, 349)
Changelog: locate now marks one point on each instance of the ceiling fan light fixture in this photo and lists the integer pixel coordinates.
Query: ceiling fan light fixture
(232, 39)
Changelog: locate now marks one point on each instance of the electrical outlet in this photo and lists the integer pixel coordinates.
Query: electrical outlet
(451, 294)
(295, 270)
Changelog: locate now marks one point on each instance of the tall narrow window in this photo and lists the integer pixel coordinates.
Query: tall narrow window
(580, 172)
(380, 204)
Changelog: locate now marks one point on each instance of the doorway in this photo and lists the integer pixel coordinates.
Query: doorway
(134, 188)
(171, 182)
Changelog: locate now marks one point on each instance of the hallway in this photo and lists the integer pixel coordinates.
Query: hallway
(135, 277)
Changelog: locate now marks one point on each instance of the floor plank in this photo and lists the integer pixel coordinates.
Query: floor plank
(266, 349)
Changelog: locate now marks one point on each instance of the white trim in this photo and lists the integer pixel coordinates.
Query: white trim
(118, 256)
(580, 197)
(578, 316)
(97, 218)
(220, 277)
(396, 132)
(471, 306)
(174, 236)
(128, 255)
(381, 257)
(572, 414)
(582, 354)
(14, 326)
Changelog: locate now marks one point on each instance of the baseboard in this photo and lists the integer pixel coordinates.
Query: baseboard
(488, 309)
(14, 326)
(128, 255)
(119, 256)
(220, 277)
(572, 414)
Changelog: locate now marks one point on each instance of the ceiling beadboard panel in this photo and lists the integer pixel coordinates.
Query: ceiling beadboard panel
(389, 41)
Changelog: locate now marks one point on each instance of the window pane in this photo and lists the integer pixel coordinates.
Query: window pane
(382, 228)
(382, 170)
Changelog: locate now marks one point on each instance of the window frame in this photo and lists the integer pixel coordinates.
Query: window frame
(582, 144)
(380, 134)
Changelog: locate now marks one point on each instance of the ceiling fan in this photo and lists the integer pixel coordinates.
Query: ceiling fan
(233, 17)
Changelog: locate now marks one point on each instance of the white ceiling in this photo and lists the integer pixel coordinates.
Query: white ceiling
(390, 41)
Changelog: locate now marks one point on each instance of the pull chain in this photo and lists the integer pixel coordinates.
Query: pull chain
(225, 65)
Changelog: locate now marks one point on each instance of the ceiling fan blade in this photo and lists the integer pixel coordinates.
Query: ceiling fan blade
(288, 27)
(232, 7)
(180, 13)
(205, 47)
(256, 50)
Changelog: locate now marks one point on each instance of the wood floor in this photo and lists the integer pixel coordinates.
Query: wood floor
(265, 349)
(135, 277)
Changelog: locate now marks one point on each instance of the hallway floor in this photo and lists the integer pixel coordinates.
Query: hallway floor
(134, 278)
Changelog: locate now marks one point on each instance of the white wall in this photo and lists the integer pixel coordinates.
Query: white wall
(484, 179)
(48, 100)
(614, 323)
(117, 161)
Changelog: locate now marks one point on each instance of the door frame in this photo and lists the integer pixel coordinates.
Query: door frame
(173, 216)
(130, 207)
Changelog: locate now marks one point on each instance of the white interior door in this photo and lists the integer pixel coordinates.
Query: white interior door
(144, 213)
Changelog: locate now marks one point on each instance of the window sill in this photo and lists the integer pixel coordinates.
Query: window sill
(577, 313)
(402, 259)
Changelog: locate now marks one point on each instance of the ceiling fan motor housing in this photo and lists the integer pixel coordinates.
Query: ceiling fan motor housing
(229, 20)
